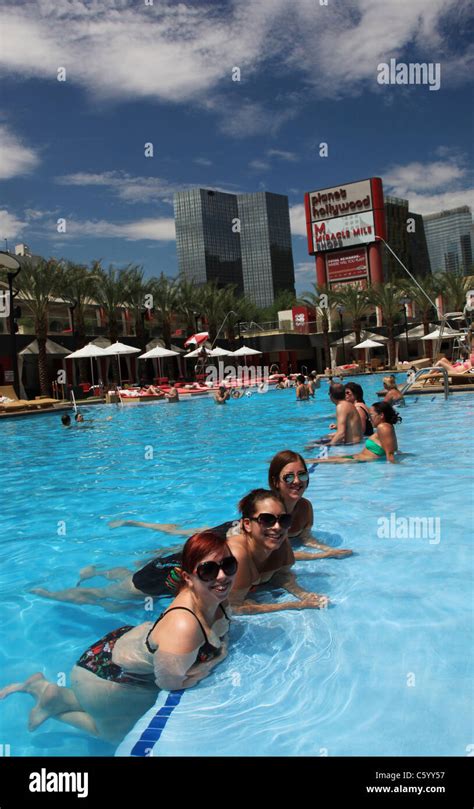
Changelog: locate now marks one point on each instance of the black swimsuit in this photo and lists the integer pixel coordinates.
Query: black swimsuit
(207, 651)
(151, 579)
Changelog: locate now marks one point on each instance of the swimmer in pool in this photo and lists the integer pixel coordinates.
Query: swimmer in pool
(381, 446)
(115, 681)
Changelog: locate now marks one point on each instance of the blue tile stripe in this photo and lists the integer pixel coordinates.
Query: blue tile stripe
(156, 726)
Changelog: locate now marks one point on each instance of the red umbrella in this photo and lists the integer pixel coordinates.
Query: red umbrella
(197, 339)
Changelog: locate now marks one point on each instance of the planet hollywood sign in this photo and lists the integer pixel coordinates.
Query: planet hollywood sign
(344, 216)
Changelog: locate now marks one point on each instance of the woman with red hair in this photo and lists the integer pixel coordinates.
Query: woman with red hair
(115, 681)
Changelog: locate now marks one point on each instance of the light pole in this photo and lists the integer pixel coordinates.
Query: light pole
(341, 310)
(405, 301)
(10, 263)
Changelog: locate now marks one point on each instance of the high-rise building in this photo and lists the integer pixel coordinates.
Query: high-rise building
(241, 239)
(207, 237)
(406, 237)
(449, 239)
(265, 239)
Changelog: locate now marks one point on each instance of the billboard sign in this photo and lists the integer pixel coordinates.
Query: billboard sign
(340, 200)
(345, 215)
(346, 265)
(344, 231)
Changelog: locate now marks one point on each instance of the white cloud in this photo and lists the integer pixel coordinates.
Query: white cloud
(161, 230)
(423, 176)
(10, 226)
(184, 53)
(298, 220)
(432, 203)
(127, 187)
(16, 159)
(202, 161)
(431, 187)
(283, 155)
(305, 275)
(259, 165)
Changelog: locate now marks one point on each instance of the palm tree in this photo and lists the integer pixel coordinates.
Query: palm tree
(39, 284)
(165, 293)
(453, 286)
(111, 296)
(387, 298)
(212, 307)
(78, 286)
(315, 300)
(188, 302)
(420, 297)
(356, 306)
(135, 297)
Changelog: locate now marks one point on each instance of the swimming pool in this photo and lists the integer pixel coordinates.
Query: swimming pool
(386, 670)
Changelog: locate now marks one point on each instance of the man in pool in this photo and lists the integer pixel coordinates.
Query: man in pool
(348, 425)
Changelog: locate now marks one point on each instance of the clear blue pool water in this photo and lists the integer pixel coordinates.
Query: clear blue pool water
(386, 670)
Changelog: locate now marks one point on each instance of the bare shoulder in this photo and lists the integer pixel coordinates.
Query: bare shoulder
(238, 545)
(178, 631)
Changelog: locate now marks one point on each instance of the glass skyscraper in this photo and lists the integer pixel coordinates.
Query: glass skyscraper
(406, 236)
(449, 239)
(241, 239)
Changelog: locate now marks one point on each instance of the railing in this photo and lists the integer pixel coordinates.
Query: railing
(422, 371)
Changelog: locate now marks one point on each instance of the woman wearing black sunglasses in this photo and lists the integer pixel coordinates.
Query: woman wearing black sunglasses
(115, 681)
(264, 553)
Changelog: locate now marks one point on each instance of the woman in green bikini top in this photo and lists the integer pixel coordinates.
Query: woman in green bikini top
(382, 445)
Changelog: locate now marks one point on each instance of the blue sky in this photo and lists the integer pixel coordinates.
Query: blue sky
(156, 72)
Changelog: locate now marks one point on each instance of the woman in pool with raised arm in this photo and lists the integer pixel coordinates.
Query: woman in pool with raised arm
(381, 446)
(115, 681)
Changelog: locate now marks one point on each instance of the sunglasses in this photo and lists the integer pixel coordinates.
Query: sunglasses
(303, 477)
(269, 520)
(209, 571)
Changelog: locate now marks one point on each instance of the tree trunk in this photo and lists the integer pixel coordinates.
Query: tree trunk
(45, 389)
(166, 329)
(391, 344)
(327, 348)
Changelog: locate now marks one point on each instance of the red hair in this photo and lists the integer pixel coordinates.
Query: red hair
(198, 547)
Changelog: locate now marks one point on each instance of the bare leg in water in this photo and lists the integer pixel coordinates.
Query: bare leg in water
(122, 590)
(52, 701)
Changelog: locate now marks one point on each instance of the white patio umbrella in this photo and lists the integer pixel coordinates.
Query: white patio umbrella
(368, 344)
(116, 349)
(448, 334)
(245, 351)
(197, 352)
(88, 351)
(158, 353)
(220, 352)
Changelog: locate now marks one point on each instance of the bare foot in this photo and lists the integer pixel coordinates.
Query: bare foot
(87, 573)
(40, 591)
(33, 685)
